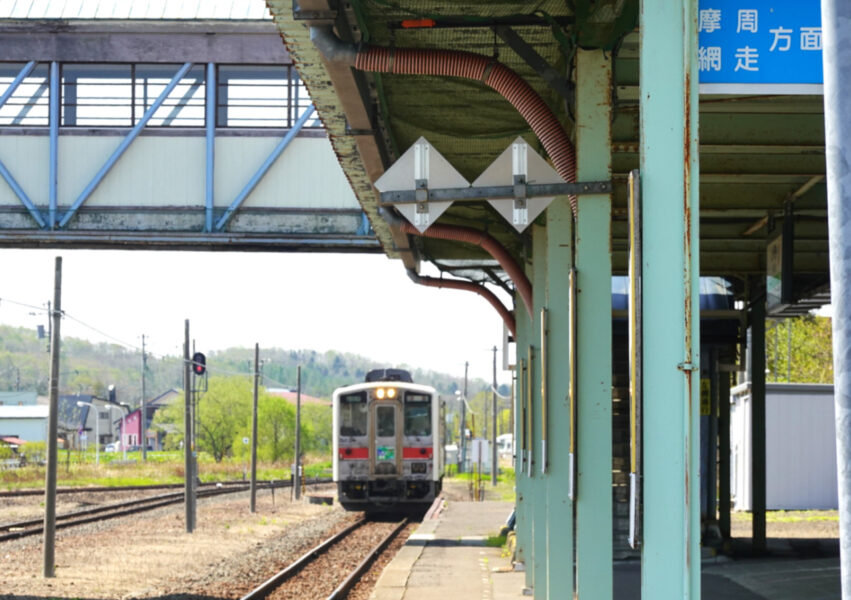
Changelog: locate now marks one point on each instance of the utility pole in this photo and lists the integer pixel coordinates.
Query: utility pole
(464, 422)
(494, 452)
(253, 483)
(52, 428)
(188, 446)
(143, 424)
(297, 461)
(49, 326)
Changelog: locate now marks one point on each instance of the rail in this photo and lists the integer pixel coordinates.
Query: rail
(277, 580)
(17, 530)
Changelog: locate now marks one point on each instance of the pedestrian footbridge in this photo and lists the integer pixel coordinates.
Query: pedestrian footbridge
(164, 134)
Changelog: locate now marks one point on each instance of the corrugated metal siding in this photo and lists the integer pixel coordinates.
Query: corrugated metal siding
(800, 448)
(31, 430)
(801, 451)
(154, 171)
(307, 174)
(26, 157)
(135, 9)
(170, 171)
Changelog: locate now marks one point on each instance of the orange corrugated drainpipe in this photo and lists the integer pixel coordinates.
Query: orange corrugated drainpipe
(487, 243)
(456, 63)
(507, 315)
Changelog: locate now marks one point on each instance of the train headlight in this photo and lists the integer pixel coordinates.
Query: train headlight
(391, 392)
(379, 393)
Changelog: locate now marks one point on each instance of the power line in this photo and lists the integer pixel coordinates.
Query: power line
(33, 306)
(103, 333)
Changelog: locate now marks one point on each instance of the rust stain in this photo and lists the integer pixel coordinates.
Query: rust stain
(687, 303)
(687, 274)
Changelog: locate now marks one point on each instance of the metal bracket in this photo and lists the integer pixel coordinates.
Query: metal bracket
(495, 192)
(687, 366)
(554, 79)
(299, 14)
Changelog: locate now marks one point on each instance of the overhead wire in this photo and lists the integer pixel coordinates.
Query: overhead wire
(33, 306)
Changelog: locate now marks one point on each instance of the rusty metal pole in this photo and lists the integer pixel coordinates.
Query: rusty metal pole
(143, 422)
(253, 482)
(52, 428)
(188, 446)
(836, 35)
(297, 458)
(494, 451)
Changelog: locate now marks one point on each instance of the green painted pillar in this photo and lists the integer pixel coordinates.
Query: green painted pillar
(523, 526)
(669, 190)
(539, 489)
(560, 548)
(594, 330)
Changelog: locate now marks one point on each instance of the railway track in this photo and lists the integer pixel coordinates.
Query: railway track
(159, 486)
(21, 529)
(306, 576)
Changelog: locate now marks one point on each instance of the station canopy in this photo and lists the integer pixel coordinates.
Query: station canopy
(761, 156)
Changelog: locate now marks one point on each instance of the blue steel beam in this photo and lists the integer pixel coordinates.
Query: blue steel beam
(125, 143)
(22, 196)
(22, 74)
(364, 227)
(27, 108)
(53, 177)
(267, 164)
(210, 100)
(4, 172)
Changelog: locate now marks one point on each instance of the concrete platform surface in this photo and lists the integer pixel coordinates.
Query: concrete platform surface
(448, 558)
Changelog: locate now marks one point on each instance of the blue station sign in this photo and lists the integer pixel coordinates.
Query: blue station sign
(759, 43)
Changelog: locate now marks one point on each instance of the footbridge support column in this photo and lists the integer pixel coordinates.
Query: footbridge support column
(669, 180)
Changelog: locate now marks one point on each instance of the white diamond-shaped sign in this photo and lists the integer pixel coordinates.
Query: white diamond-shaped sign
(519, 159)
(422, 164)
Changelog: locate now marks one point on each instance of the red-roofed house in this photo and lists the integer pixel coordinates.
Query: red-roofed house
(290, 396)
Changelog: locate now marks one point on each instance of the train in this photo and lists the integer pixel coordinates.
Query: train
(387, 443)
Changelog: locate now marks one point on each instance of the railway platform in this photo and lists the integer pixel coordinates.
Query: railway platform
(448, 558)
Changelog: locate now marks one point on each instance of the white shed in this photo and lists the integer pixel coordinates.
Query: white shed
(25, 422)
(800, 447)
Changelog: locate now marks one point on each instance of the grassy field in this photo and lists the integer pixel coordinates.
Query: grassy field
(78, 469)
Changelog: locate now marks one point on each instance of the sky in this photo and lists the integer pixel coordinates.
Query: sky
(364, 304)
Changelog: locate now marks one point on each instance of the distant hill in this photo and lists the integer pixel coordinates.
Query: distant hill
(89, 368)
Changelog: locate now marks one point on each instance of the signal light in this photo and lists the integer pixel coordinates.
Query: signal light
(199, 363)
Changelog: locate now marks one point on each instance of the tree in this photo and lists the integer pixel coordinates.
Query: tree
(275, 427)
(809, 358)
(316, 428)
(224, 411)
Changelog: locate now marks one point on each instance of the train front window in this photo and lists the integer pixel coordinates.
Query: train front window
(417, 415)
(385, 421)
(353, 412)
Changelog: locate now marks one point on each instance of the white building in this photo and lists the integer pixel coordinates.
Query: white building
(25, 422)
(800, 459)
